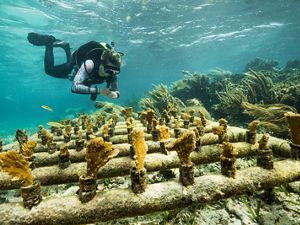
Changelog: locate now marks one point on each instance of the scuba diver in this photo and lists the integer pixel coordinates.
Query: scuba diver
(92, 63)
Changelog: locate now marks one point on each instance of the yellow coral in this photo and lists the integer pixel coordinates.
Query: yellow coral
(198, 122)
(127, 112)
(68, 129)
(49, 138)
(105, 130)
(15, 165)
(164, 132)
(253, 126)
(80, 135)
(98, 153)
(185, 116)
(140, 146)
(263, 142)
(219, 130)
(184, 145)
(150, 116)
(228, 150)
(293, 121)
(28, 148)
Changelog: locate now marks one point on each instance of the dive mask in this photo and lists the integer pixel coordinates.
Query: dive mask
(111, 70)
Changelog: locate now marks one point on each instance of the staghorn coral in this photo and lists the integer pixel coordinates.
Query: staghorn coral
(159, 99)
(98, 153)
(28, 148)
(140, 146)
(271, 117)
(15, 165)
(293, 121)
(184, 145)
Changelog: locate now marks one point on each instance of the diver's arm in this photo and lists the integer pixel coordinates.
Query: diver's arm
(112, 84)
(82, 74)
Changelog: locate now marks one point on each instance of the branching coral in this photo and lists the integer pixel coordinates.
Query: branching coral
(140, 146)
(15, 165)
(270, 116)
(184, 145)
(98, 153)
(28, 148)
(159, 99)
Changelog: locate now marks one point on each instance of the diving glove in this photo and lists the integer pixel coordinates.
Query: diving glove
(93, 96)
(109, 93)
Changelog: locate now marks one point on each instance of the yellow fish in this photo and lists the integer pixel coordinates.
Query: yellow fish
(274, 108)
(47, 108)
(55, 124)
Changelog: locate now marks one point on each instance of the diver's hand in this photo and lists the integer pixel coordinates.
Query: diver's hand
(109, 93)
(93, 96)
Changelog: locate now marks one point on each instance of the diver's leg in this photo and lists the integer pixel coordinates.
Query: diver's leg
(59, 71)
(40, 39)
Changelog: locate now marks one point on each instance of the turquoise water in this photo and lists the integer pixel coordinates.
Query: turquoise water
(160, 38)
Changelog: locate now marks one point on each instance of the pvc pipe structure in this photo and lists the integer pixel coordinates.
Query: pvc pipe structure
(119, 203)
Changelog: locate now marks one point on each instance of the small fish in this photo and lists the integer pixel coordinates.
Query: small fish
(128, 18)
(48, 108)
(274, 108)
(55, 124)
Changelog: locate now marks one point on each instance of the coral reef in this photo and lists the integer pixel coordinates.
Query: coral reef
(159, 99)
(261, 64)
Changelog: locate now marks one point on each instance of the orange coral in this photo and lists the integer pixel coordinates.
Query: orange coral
(105, 130)
(98, 153)
(219, 130)
(253, 126)
(28, 148)
(140, 146)
(15, 165)
(228, 150)
(184, 145)
(185, 116)
(164, 132)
